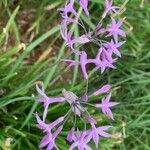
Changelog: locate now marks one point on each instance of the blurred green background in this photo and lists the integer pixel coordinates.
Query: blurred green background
(30, 48)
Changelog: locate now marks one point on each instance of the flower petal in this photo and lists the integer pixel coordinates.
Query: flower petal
(103, 89)
(45, 140)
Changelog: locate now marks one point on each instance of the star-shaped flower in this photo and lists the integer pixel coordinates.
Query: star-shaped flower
(82, 62)
(96, 132)
(106, 105)
(49, 139)
(80, 141)
(47, 100)
(47, 127)
(101, 61)
(114, 29)
(84, 5)
(67, 10)
(109, 7)
(113, 47)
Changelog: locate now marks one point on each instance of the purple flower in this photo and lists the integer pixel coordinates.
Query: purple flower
(101, 60)
(109, 7)
(49, 139)
(114, 29)
(103, 89)
(109, 57)
(71, 136)
(113, 47)
(69, 96)
(82, 62)
(45, 140)
(68, 37)
(100, 29)
(47, 100)
(47, 127)
(84, 97)
(64, 30)
(90, 120)
(72, 99)
(81, 40)
(84, 5)
(72, 2)
(66, 10)
(80, 141)
(106, 105)
(94, 133)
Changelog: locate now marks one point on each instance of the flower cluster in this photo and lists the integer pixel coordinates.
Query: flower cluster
(79, 139)
(106, 55)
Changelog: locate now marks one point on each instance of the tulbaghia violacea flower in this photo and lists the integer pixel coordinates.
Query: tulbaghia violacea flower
(81, 139)
(113, 47)
(72, 99)
(49, 139)
(109, 7)
(103, 89)
(84, 97)
(48, 127)
(81, 40)
(82, 62)
(90, 119)
(64, 30)
(71, 135)
(66, 10)
(94, 133)
(106, 105)
(84, 5)
(101, 60)
(114, 29)
(47, 100)
(100, 30)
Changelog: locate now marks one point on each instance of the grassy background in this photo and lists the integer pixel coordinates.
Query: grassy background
(30, 49)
